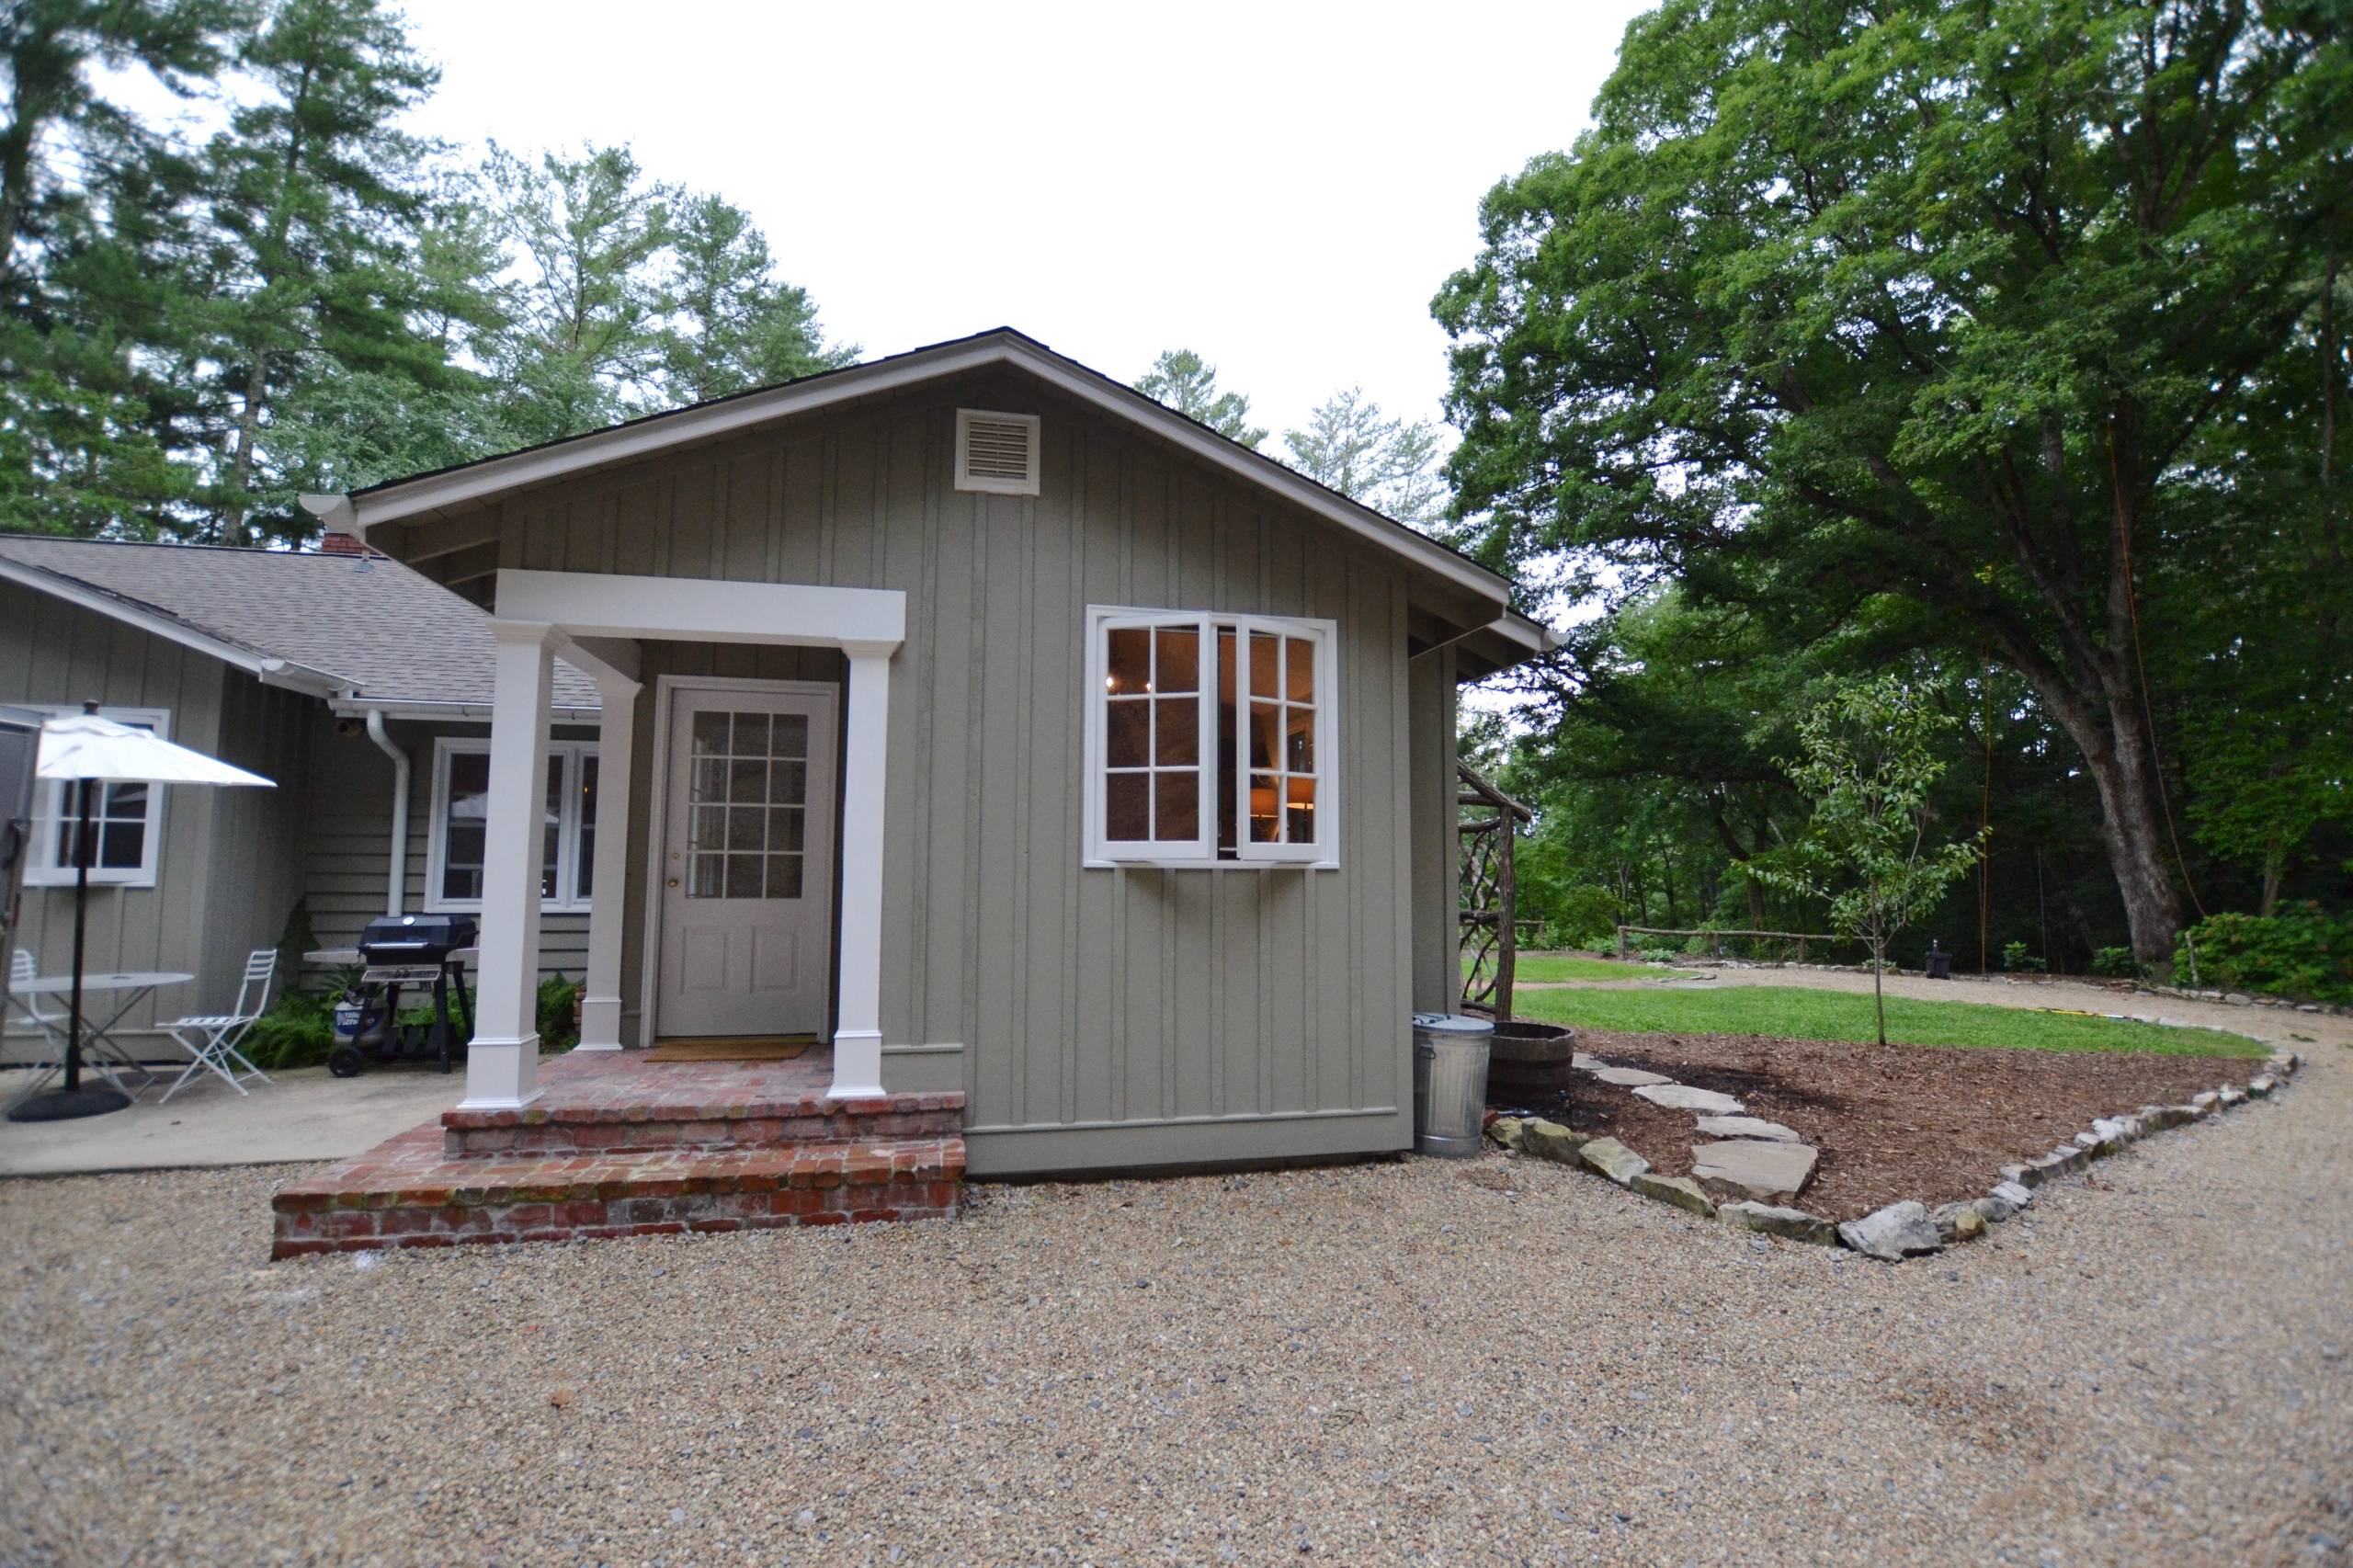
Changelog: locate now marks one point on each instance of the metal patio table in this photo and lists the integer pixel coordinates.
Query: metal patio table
(133, 986)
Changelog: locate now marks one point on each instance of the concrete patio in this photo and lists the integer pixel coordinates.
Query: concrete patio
(304, 1113)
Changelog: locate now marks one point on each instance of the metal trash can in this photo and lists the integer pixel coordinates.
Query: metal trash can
(1449, 1082)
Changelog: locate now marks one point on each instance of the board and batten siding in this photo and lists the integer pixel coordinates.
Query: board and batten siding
(1095, 1019)
(229, 871)
(347, 849)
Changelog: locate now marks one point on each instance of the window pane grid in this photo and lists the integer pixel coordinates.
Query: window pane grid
(747, 799)
(1152, 734)
(568, 830)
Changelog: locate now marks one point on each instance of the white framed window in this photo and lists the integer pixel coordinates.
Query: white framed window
(1210, 739)
(458, 834)
(126, 820)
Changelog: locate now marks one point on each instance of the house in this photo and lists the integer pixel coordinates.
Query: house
(1021, 739)
(361, 687)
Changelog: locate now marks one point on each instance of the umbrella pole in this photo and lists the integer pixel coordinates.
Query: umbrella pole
(81, 930)
(73, 1100)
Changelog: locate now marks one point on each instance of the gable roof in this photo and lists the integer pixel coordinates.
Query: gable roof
(426, 496)
(355, 628)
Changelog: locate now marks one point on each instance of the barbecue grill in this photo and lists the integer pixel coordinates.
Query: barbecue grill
(405, 951)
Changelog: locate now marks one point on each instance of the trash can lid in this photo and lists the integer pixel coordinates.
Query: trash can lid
(1452, 1023)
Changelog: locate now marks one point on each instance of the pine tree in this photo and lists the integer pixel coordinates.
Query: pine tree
(733, 324)
(1180, 379)
(315, 198)
(1389, 464)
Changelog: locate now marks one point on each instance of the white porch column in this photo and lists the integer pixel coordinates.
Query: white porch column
(503, 1063)
(857, 1039)
(600, 1002)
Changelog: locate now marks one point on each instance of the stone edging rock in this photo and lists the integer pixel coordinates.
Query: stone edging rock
(1909, 1229)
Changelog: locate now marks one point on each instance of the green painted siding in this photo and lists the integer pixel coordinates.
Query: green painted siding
(1096, 1018)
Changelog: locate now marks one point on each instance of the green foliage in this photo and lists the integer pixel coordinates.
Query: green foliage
(558, 1028)
(2300, 951)
(2017, 959)
(1389, 464)
(1803, 1013)
(314, 299)
(1889, 328)
(1868, 758)
(2116, 963)
(1180, 379)
(297, 1031)
(1582, 916)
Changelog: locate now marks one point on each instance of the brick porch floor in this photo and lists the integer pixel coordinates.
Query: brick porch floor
(617, 1146)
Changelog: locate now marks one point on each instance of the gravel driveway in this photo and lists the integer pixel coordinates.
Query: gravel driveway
(1491, 1361)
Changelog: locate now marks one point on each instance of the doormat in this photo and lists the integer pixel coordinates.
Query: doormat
(743, 1048)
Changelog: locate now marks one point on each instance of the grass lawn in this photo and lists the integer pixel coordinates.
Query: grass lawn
(1540, 966)
(1832, 1014)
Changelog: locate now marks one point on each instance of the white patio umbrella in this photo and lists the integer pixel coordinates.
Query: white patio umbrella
(86, 750)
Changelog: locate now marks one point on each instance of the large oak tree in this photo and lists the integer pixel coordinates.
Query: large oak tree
(1917, 312)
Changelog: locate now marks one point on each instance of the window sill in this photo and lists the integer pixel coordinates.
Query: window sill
(47, 879)
(1097, 865)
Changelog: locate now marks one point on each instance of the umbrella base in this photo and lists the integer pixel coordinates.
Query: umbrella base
(64, 1104)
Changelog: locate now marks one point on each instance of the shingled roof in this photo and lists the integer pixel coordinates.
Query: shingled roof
(383, 632)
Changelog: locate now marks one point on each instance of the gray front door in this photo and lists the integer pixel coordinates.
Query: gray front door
(747, 860)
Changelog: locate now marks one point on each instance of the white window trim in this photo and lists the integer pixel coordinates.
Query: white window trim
(1104, 854)
(564, 755)
(53, 800)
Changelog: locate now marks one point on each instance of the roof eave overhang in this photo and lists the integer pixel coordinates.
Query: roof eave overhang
(433, 494)
(263, 667)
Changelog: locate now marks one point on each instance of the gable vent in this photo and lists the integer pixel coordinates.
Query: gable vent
(997, 452)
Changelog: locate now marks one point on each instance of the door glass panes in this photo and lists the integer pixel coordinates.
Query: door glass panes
(583, 850)
(748, 802)
(1152, 739)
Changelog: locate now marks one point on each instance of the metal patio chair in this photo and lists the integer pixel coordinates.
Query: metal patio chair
(212, 1038)
(48, 1027)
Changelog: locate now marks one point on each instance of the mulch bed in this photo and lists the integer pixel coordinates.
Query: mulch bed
(1931, 1122)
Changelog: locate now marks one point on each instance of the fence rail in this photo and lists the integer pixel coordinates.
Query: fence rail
(1800, 937)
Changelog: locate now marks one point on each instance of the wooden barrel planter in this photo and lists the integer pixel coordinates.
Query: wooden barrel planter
(1528, 1066)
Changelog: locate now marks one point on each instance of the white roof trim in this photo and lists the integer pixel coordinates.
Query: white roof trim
(263, 667)
(435, 493)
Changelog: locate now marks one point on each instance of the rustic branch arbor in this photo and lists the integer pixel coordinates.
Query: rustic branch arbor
(1489, 892)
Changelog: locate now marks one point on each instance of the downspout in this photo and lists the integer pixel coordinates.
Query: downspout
(396, 884)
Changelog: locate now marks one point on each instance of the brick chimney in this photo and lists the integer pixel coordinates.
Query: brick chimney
(341, 544)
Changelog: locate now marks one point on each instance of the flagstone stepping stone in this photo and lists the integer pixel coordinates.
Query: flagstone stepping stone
(1683, 1097)
(1681, 1191)
(1893, 1233)
(1613, 1160)
(1584, 1063)
(1629, 1077)
(1754, 1167)
(1746, 1127)
(1795, 1223)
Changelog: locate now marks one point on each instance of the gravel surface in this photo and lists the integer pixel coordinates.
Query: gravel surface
(1491, 1360)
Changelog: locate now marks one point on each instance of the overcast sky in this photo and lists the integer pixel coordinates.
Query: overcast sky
(1281, 188)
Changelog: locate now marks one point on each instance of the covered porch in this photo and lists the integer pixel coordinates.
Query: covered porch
(807, 940)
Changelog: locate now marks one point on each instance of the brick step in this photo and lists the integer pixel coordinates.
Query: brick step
(641, 1125)
(406, 1193)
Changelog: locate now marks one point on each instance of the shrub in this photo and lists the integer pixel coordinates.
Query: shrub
(1656, 955)
(557, 1029)
(2300, 951)
(297, 1031)
(1581, 916)
(2115, 962)
(2018, 960)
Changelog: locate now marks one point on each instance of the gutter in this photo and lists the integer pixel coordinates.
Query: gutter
(396, 881)
(349, 704)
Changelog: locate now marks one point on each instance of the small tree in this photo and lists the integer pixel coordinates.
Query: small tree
(1868, 758)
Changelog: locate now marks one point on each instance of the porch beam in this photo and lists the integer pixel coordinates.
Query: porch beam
(503, 1063)
(858, 1035)
(600, 1003)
